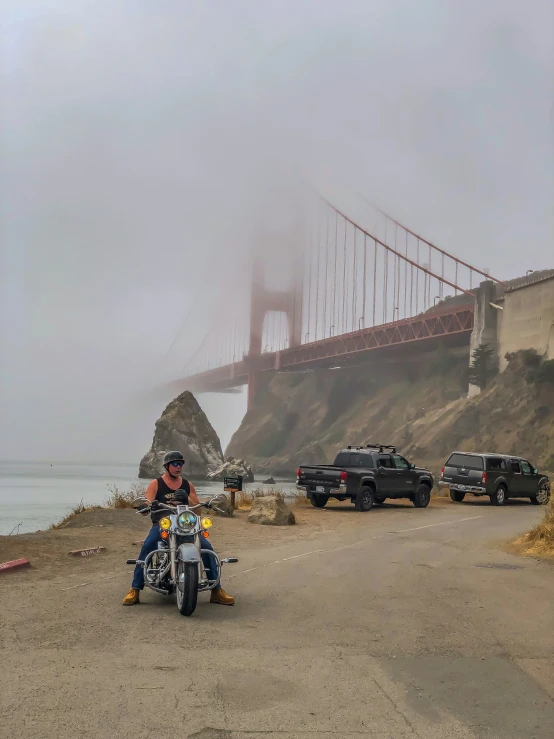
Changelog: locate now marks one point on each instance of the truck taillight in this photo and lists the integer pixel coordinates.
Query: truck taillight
(298, 471)
(343, 476)
(442, 472)
(483, 478)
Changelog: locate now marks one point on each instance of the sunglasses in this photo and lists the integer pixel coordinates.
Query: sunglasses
(176, 464)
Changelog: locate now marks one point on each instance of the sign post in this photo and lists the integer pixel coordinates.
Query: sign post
(232, 485)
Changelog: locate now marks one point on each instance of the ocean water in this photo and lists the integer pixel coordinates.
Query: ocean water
(33, 496)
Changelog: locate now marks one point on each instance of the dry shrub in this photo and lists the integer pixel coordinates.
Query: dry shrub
(540, 540)
(116, 499)
(246, 498)
(301, 499)
(123, 498)
(80, 508)
(243, 500)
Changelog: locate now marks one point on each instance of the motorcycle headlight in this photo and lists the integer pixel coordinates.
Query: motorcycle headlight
(165, 524)
(206, 523)
(186, 521)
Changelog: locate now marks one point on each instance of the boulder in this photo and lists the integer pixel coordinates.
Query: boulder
(269, 481)
(183, 426)
(224, 507)
(271, 511)
(232, 468)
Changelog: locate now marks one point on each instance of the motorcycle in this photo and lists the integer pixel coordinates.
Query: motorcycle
(176, 565)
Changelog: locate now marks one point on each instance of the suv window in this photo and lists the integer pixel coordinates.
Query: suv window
(400, 462)
(385, 460)
(515, 466)
(526, 468)
(466, 460)
(496, 463)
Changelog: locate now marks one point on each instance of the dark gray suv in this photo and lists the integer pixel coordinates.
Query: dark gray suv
(497, 475)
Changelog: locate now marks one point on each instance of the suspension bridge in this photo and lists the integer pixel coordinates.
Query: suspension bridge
(335, 294)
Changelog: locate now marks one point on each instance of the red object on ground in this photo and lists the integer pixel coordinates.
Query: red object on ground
(87, 552)
(14, 564)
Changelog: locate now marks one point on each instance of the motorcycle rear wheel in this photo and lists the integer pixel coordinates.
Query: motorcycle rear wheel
(187, 587)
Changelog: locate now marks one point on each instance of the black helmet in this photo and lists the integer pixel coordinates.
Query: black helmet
(173, 457)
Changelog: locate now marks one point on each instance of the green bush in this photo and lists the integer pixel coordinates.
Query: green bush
(544, 373)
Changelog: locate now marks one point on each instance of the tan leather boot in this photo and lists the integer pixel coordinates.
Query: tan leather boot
(132, 597)
(220, 596)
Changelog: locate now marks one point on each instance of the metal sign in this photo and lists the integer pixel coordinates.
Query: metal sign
(232, 484)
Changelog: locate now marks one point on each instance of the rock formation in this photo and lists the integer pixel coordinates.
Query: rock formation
(183, 426)
(231, 468)
(271, 511)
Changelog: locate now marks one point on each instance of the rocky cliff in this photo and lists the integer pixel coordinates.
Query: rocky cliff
(421, 405)
(183, 426)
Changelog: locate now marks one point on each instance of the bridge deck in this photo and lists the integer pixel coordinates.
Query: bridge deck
(428, 327)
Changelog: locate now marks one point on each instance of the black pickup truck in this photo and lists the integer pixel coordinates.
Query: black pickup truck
(366, 475)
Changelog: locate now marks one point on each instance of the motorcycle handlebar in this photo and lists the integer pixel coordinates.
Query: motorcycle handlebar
(156, 504)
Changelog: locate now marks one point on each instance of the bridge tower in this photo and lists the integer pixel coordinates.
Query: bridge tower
(264, 300)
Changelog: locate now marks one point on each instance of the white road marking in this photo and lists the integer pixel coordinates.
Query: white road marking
(357, 543)
(296, 556)
(82, 585)
(430, 525)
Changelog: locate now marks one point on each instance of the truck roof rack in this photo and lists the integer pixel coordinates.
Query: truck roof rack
(382, 447)
(379, 447)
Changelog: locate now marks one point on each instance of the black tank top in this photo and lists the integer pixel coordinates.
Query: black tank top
(163, 491)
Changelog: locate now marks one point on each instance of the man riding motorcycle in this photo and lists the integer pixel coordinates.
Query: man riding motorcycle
(172, 489)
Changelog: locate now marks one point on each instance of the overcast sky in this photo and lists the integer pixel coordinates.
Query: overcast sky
(137, 138)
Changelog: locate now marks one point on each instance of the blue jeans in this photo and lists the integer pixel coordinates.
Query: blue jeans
(151, 544)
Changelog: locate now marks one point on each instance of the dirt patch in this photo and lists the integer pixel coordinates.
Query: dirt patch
(100, 517)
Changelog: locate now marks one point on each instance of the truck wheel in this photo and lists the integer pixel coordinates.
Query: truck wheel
(319, 501)
(364, 500)
(543, 496)
(457, 496)
(422, 496)
(499, 498)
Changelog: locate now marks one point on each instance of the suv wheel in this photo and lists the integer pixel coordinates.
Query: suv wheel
(500, 497)
(543, 496)
(422, 496)
(457, 496)
(364, 500)
(319, 501)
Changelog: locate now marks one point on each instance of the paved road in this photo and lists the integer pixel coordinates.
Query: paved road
(414, 625)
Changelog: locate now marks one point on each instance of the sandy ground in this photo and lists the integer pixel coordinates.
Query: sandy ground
(396, 623)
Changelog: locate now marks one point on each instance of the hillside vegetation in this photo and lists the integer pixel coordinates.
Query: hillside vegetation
(420, 405)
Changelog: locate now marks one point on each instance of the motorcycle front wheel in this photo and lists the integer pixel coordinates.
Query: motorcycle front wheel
(187, 587)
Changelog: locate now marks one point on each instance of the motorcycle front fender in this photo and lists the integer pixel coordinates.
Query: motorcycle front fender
(188, 553)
